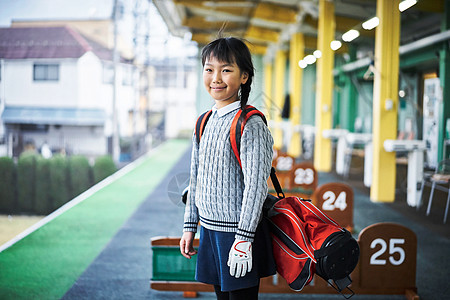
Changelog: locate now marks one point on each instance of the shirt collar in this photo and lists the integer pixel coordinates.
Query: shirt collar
(226, 109)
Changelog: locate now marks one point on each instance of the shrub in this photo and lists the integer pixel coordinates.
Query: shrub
(59, 192)
(26, 180)
(103, 167)
(43, 204)
(79, 174)
(7, 185)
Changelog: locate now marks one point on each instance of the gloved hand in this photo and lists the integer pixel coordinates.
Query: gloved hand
(240, 258)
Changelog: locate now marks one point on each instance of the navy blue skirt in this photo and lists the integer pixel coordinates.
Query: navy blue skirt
(213, 253)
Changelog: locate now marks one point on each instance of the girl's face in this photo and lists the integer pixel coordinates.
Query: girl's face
(222, 80)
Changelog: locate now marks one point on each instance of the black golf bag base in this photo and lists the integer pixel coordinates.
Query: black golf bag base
(342, 284)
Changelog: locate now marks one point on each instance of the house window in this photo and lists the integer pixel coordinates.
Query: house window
(46, 72)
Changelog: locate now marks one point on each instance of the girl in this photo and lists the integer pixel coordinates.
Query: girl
(234, 252)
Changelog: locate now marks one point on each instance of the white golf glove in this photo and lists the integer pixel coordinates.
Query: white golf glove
(240, 258)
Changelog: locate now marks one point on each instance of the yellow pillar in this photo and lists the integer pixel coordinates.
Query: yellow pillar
(385, 100)
(280, 70)
(268, 89)
(296, 53)
(324, 88)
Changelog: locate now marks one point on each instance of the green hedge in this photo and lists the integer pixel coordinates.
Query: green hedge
(37, 185)
(7, 185)
(26, 181)
(59, 181)
(80, 175)
(43, 205)
(104, 166)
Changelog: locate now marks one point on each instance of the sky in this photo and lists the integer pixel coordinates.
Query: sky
(53, 9)
(95, 9)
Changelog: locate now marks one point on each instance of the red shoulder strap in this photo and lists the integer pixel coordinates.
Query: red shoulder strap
(200, 125)
(237, 128)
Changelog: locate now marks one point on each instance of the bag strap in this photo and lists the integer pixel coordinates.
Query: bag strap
(236, 131)
(333, 247)
(237, 128)
(276, 184)
(200, 125)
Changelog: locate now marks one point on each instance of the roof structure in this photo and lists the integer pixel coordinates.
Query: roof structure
(54, 116)
(270, 23)
(48, 42)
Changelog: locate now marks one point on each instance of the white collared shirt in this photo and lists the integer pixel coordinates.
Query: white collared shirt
(226, 109)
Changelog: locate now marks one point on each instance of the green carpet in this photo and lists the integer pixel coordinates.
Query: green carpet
(45, 264)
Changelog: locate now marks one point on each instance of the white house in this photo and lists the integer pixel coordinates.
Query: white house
(56, 85)
(173, 91)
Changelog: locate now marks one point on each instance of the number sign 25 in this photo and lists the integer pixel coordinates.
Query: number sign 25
(394, 247)
(388, 256)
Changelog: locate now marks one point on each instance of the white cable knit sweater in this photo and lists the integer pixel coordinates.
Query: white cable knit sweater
(223, 196)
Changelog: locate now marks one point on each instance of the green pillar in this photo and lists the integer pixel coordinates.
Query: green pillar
(444, 75)
(350, 104)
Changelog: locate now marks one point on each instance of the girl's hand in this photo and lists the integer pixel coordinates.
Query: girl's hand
(186, 244)
(240, 258)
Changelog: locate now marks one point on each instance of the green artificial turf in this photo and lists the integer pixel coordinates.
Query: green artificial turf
(46, 263)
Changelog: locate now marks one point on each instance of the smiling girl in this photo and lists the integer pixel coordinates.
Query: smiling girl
(234, 252)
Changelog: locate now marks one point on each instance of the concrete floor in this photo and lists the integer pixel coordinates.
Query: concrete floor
(124, 268)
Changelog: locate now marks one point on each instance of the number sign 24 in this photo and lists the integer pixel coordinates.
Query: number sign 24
(336, 200)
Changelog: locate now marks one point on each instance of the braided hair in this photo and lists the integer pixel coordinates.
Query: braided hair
(233, 50)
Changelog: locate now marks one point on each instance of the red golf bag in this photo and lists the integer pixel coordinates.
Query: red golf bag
(306, 241)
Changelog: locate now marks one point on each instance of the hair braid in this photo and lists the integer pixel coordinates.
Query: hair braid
(245, 92)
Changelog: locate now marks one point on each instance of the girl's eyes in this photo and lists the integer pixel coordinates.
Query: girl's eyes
(224, 70)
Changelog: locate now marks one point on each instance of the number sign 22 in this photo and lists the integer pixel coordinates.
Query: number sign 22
(284, 162)
(388, 256)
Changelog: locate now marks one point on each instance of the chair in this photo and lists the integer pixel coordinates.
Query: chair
(439, 178)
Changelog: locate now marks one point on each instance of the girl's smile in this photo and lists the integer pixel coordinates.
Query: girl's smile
(223, 80)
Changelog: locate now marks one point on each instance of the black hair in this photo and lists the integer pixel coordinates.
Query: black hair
(232, 50)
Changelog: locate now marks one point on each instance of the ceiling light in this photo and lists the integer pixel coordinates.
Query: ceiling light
(350, 35)
(302, 64)
(228, 4)
(317, 54)
(371, 23)
(404, 5)
(310, 59)
(335, 45)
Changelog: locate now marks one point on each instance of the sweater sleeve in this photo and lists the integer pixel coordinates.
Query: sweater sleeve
(191, 216)
(256, 158)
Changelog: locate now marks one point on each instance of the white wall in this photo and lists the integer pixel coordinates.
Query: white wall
(22, 90)
(89, 76)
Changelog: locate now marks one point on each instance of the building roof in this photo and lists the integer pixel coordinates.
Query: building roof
(53, 116)
(47, 42)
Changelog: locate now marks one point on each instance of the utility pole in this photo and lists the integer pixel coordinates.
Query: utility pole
(116, 60)
(141, 43)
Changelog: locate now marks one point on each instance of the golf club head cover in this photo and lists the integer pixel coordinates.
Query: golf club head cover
(240, 258)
